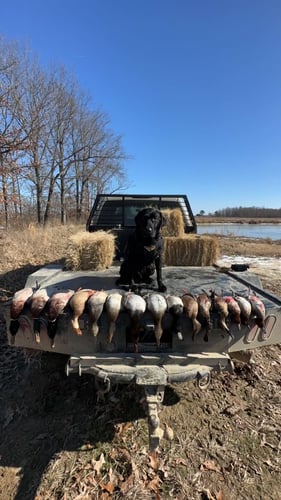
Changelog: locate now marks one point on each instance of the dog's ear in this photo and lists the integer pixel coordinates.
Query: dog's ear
(138, 217)
(160, 223)
(164, 219)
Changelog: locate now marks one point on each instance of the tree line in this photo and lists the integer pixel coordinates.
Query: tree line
(57, 150)
(248, 212)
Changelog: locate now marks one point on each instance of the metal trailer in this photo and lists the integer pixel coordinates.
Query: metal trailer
(152, 367)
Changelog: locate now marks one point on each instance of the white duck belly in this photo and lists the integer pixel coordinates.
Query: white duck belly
(95, 306)
(113, 306)
(157, 305)
(135, 305)
(38, 301)
(245, 308)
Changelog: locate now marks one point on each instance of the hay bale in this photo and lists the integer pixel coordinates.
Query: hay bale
(174, 224)
(90, 251)
(191, 250)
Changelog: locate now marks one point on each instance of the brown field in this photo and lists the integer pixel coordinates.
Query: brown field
(237, 220)
(58, 443)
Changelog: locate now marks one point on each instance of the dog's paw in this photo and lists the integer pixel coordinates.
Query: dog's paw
(162, 287)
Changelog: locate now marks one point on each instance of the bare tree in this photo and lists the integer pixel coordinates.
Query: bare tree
(52, 144)
(99, 164)
(12, 139)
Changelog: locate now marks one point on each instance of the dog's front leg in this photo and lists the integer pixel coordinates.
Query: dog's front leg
(158, 265)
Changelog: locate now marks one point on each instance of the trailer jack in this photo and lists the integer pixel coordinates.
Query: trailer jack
(154, 395)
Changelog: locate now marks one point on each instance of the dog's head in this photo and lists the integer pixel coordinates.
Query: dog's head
(148, 223)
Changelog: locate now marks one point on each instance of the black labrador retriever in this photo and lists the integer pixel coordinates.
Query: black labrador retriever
(143, 253)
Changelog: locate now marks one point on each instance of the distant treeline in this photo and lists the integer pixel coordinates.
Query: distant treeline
(247, 212)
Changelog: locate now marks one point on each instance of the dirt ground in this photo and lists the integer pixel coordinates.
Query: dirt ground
(57, 442)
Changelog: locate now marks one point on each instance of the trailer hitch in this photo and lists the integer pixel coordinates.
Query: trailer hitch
(153, 397)
(143, 371)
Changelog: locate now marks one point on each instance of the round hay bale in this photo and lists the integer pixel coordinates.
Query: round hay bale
(90, 251)
(173, 225)
(191, 250)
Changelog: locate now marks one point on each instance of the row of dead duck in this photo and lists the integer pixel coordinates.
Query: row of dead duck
(36, 303)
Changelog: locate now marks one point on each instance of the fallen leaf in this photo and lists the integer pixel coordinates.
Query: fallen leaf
(97, 464)
(168, 433)
(113, 478)
(122, 428)
(109, 487)
(91, 480)
(210, 465)
(154, 484)
(181, 461)
(113, 454)
(125, 486)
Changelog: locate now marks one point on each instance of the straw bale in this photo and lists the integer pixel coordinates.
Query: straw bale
(174, 224)
(191, 250)
(90, 251)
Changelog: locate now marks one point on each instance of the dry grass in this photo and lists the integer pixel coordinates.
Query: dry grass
(233, 245)
(191, 250)
(237, 220)
(93, 251)
(186, 250)
(173, 225)
(34, 245)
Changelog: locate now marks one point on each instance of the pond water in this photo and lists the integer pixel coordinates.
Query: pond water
(272, 231)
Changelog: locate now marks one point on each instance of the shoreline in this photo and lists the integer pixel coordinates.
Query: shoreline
(205, 219)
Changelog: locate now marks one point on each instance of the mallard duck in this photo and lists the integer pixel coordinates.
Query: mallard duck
(20, 300)
(55, 307)
(38, 302)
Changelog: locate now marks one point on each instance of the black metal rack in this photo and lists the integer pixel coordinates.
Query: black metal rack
(118, 211)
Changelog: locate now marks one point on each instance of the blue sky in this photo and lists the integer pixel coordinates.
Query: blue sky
(193, 87)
